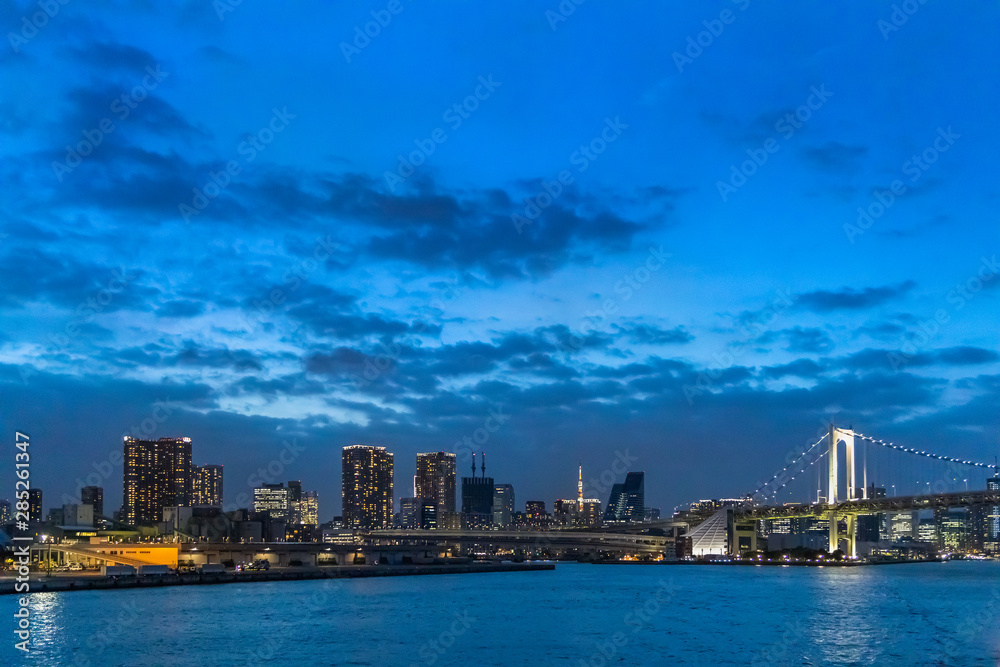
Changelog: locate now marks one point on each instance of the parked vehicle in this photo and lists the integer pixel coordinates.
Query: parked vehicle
(153, 570)
(75, 567)
(211, 568)
(117, 570)
(260, 564)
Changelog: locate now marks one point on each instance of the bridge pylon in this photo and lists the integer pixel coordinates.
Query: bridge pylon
(838, 435)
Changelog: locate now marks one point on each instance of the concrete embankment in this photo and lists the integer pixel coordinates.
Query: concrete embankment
(83, 582)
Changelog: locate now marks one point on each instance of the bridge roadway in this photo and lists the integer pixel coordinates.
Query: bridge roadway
(872, 506)
(618, 542)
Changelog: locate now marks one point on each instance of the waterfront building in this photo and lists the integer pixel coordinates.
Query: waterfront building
(627, 501)
(367, 487)
(5, 515)
(590, 516)
(535, 515)
(157, 474)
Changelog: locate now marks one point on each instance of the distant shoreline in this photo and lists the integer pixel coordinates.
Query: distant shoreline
(45, 584)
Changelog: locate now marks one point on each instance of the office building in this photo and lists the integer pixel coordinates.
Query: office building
(477, 499)
(627, 501)
(409, 513)
(34, 505)
(367, 487)
(157, 475)
(5, 515)
(206, 485)
(503, 505)
(435, 479)
(94, 496)
(271, 500)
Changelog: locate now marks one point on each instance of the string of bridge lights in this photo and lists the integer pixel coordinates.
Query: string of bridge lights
(929, 455)
(783, 470)
(792, 478)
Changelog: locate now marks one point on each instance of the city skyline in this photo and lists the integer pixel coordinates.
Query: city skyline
(644, 246)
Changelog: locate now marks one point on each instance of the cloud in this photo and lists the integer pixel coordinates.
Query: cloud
(834, 156)
(846, 298)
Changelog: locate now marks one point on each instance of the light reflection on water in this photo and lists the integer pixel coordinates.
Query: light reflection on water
(578, 615)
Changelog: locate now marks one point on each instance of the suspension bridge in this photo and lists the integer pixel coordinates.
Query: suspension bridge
(844, 461)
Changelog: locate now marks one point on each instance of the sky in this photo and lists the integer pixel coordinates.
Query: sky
(679, 238)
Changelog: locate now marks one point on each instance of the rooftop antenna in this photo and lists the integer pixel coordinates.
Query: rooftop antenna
(484, 465)
(473, 465)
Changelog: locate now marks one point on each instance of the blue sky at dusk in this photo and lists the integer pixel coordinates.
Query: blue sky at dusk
(251, 226)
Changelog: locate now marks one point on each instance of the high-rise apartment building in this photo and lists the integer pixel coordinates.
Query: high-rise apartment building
(206, 485)
(157, 475)
(367, 487)
(435, 479)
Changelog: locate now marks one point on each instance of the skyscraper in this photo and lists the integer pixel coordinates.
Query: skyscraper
(477, 499)
(94, 496)
(368, 487)
(435, 480)
(309, 508)
(627, 501)
(157, 475)
(503, 505)
(206, 485)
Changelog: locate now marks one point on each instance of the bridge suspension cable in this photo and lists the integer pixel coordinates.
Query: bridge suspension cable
(929, 455)
(785, 469)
